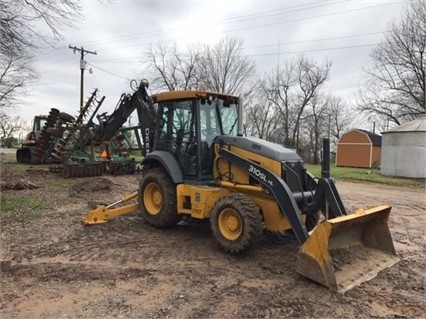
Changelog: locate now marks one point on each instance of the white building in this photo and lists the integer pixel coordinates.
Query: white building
(404, 150)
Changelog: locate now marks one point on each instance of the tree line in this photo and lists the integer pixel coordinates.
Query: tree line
(289, 105)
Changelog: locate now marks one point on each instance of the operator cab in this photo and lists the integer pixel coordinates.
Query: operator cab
(38, 123)
(188, 123)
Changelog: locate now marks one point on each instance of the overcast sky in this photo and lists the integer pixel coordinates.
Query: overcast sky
(344, 32)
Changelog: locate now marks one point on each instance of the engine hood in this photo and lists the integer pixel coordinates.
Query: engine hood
(261, 147)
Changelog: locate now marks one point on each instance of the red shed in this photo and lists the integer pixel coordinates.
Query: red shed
(359, 148)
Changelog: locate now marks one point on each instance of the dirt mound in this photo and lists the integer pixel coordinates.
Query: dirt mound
(17, 185)
(90, 185)
(10, 180)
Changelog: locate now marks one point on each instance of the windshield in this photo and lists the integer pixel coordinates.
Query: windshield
(39, 123)
(219, 116)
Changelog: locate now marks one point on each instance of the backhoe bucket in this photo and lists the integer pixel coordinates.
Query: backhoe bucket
(343, 252)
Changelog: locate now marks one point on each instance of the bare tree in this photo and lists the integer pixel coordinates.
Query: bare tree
(325, 116)
(225, 69)
(16, 73)
(9, 126)
(261, 118)
(315, 123)
(396, 82)
(219, 68)
(170, 69)
(21, 33)
(339, 119)
(276, 87)
(20, 21)
(291, 89)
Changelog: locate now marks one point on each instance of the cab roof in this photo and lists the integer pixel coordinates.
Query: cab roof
(178, 95)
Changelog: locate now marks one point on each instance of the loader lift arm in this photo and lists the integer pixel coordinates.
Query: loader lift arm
(276, 187)
(325, 194)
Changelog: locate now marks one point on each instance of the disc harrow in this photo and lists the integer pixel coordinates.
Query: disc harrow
(40, 149)
(76, 137)
(55, 168)
(73, 130)
(81, 147)
(83, 170)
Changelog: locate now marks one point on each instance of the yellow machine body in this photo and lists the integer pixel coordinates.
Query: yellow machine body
(272, 216)
(197, 200)
(244, 189)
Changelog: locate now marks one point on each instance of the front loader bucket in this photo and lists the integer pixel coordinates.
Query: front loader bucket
(343, 252)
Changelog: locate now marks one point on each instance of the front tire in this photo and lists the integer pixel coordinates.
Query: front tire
(157, 199)
(236, 222)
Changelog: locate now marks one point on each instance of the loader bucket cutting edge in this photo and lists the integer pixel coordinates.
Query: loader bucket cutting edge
(346, 251)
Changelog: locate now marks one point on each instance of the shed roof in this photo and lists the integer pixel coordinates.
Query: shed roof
(375, 139)
(417, 125)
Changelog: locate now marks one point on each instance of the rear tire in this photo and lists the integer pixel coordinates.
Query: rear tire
(23, 155)
(236, 223)
(157, 199)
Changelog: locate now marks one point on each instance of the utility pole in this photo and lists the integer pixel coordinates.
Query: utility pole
(83, 64)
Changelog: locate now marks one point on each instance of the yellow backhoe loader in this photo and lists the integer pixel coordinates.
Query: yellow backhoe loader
(199, 164)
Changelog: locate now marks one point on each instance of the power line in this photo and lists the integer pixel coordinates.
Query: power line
(246, 17)
(148, 34)
(54, 50)
(312, 17)
(318, 40)
(253, 55)
(317, 50)
(265, 25)
(268, 45)
(108, 72)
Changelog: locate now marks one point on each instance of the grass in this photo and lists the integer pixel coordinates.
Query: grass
(18, 207)
(25, 208)
(138, 158)
(61, 182)
(9, 157)
(366, 175)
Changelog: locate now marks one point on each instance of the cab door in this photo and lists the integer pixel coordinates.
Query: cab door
(177, 133)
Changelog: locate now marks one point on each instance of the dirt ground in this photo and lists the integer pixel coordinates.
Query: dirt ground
(54, 267)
